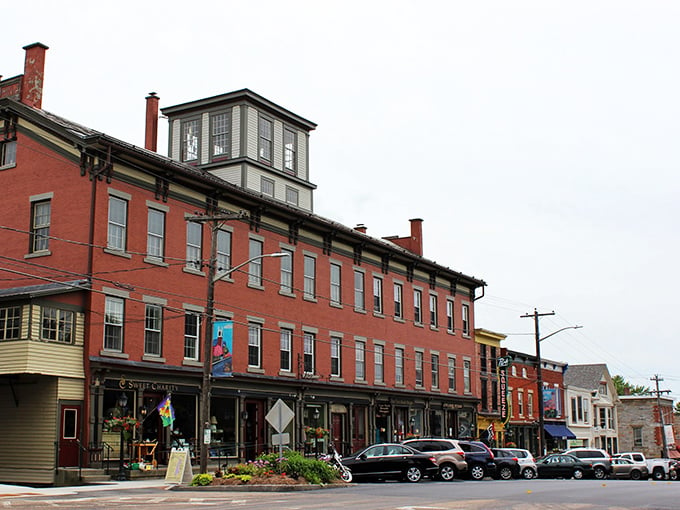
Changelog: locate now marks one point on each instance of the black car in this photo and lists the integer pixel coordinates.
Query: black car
(393, 461)
(562, 465)
(479, 458)
(507, 464)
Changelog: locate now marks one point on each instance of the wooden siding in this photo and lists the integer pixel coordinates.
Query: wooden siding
(36, 357)
(205, 138)
(305, 199)
(230, 174)
(302, 170)
(175, 134)
(252, 134)
(277, 146)
(28, 453)
(236, 132)
(70, 389)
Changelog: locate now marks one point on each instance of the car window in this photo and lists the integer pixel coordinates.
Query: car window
(419, 445)
(580, 455)
(375, 451)
(637, 458)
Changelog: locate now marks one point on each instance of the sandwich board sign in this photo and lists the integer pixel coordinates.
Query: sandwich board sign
(179, 467)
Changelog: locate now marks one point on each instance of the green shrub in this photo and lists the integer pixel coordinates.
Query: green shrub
(202, 479)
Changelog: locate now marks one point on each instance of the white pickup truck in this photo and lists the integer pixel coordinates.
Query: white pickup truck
(659, 469)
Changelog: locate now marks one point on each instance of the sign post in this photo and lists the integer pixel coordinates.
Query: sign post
(279, 416)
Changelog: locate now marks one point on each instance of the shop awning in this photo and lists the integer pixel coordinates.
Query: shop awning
(559, 431)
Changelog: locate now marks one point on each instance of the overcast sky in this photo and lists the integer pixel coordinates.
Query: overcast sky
(537, 140)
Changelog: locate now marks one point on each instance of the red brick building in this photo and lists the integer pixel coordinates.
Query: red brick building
(106, 251)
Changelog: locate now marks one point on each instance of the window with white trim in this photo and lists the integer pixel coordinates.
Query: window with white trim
(117, 226)
(57, 325)
(399, 365)
(336, 284)
(451, 374)
(114, 309)
(155, 234)
(192, 328)
(289, 150)
(220, 135)
(359, 303)
(450, 326)
(265, 138)
(8, 153)
(360, 360)
(153, 323)
(223, 258)
(417, 306)
(379, 357)
(466, 376)
(267, 186)
(419, 368)
(398, 301)
(190, 135)
(286, 347)
(434, 360)
(292, 196)
(309, 277)
(255, 251)
(466, 319)
(336, 359)
(254, 345)
(40, 225)
(194, 243)
(287, 271)
(433, 311)
(520, 402)
(309, 341)
(10, 322)
(377, 295)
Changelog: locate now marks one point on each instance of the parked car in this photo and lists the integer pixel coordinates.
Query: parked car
(527, 463)
(507, 464)
(390, 461)
(449, 455)
(600, 459)
(674, 470)
(658, 468)
(562, 465)
(624, 468)
(479, 459)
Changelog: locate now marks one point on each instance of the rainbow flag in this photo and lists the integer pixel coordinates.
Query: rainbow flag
(166, 412)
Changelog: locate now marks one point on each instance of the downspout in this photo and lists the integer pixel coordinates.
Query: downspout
(93, 432)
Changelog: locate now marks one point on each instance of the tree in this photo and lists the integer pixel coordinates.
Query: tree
(623, 387)
(676, 409)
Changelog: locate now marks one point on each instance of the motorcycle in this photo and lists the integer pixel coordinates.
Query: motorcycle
(334, 459)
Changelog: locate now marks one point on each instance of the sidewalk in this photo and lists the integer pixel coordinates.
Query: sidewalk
(22, 490)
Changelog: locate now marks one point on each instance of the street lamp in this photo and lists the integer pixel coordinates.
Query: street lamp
(213, 277)
(539, 381)
(122, 404)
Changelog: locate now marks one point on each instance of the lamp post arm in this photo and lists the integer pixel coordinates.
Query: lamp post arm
(558, 331)
(229, 271)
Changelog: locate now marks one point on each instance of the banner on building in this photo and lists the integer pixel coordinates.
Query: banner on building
(503, 363)
(491, 432)
(166, 411)
(223, 333)
(551, 403)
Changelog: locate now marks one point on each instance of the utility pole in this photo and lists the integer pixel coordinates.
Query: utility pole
(539, 377)
(215, 221)
(658, 393)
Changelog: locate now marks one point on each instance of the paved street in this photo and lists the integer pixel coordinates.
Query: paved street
(515, 495)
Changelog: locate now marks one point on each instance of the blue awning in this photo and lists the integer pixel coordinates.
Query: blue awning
(559, 431)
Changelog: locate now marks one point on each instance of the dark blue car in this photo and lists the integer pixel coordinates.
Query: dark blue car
(390, 461)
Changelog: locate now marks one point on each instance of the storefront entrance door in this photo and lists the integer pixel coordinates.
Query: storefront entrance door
(69, 434)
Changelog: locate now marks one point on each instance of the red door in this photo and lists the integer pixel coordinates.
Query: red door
(69, 434)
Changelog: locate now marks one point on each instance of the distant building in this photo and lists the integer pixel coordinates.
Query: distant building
(640, 426)
(490, 422)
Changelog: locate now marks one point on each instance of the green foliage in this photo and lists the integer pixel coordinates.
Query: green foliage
(623, 387)
(201, 479)
(292, 464)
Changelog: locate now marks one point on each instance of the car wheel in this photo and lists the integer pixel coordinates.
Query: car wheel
(578, 474)
(413, 474)
(600, 473)
(447, 472)
(505, 473)
(477, 472)
(528, 474)
(658, 474)
(673, 475)
(635, 474)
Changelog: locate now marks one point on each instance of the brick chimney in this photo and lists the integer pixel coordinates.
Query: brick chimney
(361, 228)
(412, 243)
(151, 134)
(34, 74)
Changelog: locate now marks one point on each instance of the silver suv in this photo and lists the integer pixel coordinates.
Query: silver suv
(449, 455)
(600, 459)
(526, 461)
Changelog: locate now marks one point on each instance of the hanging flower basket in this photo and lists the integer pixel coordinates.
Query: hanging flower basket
(127, 424)
(316, 432)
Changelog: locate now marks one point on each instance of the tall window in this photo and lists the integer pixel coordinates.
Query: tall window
(289, 159)
(435, 370)
(482, 358)
(152, 330)
(466, 376)
(40, 225)
(398, 301)
(520, 403)
(308, 339)
(377, 295)
(466, 320)
(419, 368)
(265, 129)
(637, 436)
(57, 325)
(155, 234)
(379, 363)
(220, 134)
(433, 311)
(223, 250)
(194, 238)
(117, 233)
(530, 404)
(574, 410)
(190, 140)
(10, 322)
(451, 372)
(336, 286)
(310, 277)
(484, 397)
(286, 348)
(254, 345)
(8, 153)
(336, 366)
(267, 186)
(113, 324)
(449, 317)
(287, 271)
(360, 360)
(359, 303)
(255, 266)
(399, 365)
(417, 306)
(191, 335)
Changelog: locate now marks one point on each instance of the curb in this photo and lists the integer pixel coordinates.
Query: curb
(256, 488)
